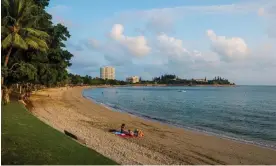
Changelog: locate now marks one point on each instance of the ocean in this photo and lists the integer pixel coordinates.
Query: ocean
(242, 113)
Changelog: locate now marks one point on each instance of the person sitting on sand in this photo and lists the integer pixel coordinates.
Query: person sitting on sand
(138, 133)
(123, 128)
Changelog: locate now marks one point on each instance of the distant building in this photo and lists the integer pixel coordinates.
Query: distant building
(201, 80)
(133, 79)
(107, 72)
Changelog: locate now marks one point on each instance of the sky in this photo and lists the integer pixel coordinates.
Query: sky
(191, 39)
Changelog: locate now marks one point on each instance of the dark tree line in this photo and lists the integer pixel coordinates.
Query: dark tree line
(165, 79)
(75, 79)
(173, 79)
(219, 80)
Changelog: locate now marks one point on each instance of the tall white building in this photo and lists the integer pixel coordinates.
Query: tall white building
(108, 72)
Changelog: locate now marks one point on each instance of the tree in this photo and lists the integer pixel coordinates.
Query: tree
(35, 48)
(18, 30)
(57, 58)
(17, 26)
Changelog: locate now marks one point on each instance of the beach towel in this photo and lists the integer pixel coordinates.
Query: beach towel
(122, 134)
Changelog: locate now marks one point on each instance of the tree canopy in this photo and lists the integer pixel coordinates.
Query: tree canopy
(33, 47)
(76, 79)
(173, 79)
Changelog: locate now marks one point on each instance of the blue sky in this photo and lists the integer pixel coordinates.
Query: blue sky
(192, 39)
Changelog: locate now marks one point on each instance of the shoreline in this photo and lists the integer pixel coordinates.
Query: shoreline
(165, 85)
(199, 131)
(162, 144)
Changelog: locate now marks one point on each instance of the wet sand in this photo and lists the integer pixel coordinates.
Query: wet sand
(67, 109)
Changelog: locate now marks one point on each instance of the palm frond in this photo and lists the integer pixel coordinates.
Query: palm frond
(37, 33)
(20, 6)
(7, 41)
(42, 44)
(27, 10)
(19, 42)
(32, 43)
(43, 49)
(30, 22)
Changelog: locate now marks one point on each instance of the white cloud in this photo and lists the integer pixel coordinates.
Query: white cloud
(171, 45)
(135, 45)
(228, 48)
(176, 52)
(110, 51)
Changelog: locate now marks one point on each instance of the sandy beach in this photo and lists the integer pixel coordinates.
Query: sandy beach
(67, 109)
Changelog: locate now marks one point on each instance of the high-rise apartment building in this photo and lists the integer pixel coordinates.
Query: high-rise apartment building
(108, 72)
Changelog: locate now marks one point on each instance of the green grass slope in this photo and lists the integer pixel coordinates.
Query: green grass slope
(27, 140)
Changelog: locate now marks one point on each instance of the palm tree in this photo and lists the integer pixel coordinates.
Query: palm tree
(18, 22)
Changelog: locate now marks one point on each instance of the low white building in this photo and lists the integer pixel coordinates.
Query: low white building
(133, 79)
(201, 80)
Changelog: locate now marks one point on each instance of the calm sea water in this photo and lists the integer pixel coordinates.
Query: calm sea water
(246, 113)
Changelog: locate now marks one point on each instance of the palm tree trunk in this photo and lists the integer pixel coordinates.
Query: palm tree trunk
(6, 62)
(6, 97)
(7, 57)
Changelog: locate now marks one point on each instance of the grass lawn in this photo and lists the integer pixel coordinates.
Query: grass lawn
(27, 140)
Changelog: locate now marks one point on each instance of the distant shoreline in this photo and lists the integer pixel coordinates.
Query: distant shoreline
(166, 85)
(203, 85)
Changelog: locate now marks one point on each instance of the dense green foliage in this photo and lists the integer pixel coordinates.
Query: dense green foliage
(27, 140)
(88, 80)
(33, 44)
(163, 79)
(173, 79)
(219, 80)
